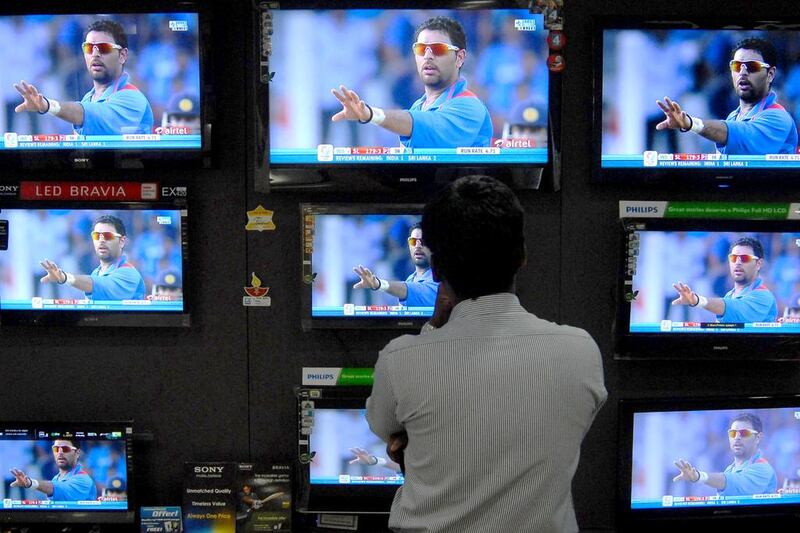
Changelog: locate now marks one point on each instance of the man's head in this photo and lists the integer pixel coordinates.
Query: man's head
(170, 284)
(108, 236)
(66, 453)
(116, 489)
(183, 110)
(745, 259)
(753, 68)
(420, 254)
(105, 50)
(744, 435)
(439, 63)
(474, 229)
(528, 120)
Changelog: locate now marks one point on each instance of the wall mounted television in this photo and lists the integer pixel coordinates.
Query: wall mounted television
(752, 477)
(332, 427)
(750, 115)
(338, 240)
(750, 306)
(495, 118)
(135, 272)
(84, 473)
(135, 101)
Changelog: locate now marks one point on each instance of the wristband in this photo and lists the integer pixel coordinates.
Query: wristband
(697, 125)
(65, 278)
(378, 116)
(380, 461)
(55, 107)
(691, 124)
(702, 477)
(379, 284)
(702, 301)
(70, 278)
(34, 484)
(384, 286)
(48, 106)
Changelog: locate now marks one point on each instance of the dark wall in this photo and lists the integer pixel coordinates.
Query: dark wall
(222, 390)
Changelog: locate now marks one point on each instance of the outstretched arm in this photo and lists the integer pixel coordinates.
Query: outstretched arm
(688, 297)
(353, 108)
(56, 275)
(33, 101)
(693, 475)
(677, 119)
(368, 280)
(21, 479)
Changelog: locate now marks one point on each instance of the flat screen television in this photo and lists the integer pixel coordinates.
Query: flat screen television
(141, 247)
(640, 62)
(496, 118)
(137, 100)
(83, 471)
(333, 433)
(751, 310)
(341, 239)
(750, 475)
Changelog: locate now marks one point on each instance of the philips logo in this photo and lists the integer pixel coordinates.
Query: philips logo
(321, 377)
(641, 210)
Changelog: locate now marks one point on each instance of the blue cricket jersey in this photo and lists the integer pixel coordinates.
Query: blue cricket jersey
(121, 109)
(74, 485)
(766, 129)
(121, 281)
(456, 119)
(421, 290)
(754, 304)
(754, 476)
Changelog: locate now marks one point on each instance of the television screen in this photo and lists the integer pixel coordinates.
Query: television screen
(478, 96)
(710, 286)
(80, 87)
(348, 469)
(704, 457)
(739, 93)
(365, 265)
(60, 472)
(94, 264)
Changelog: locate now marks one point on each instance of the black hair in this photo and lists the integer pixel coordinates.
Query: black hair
(110, 27)
(762, 46)
(416, 225)
(110, 219)
(462, 222)
(751, 419)
(753, 243)
(75, 443)
(450, 26)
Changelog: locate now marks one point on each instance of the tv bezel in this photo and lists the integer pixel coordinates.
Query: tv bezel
(684, 177)
(336, 499)
(383, 176)
(117, 158)
(59, 318)
(635, 520)
(707, 346)
(72, 516)
(309, 322)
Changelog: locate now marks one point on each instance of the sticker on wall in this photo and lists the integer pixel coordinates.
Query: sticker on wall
(256, 294)
(555, 62)
(259, 219)
(556, 41)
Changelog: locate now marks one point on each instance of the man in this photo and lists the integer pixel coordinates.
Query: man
(760, 125)
(116, 490)
(71, 483)
(183, 111)
(447, 115)
(528, 120)
(169, 286)
(115, 278)
(486, 409)
(748, 474)
(419, 288)
(749, 300)
(113, 106)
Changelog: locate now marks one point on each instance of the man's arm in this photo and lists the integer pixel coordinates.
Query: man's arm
(368, 280)
(382, 404)
(56, 275)
(32, 101)
(689, 473)
(353, 108)
(677, 119)
(22, 480)
(688, 297)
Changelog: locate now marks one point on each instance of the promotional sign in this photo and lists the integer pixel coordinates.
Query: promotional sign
(160, 519)
(264, 498)
(337, 377)
(209, 504)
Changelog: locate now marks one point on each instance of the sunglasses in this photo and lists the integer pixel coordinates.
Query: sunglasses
(63, 449)
(752, 66)
(412, 241)
(107, 235)
(103, 48)
(437, 49)
(743, 433)
(743, 258)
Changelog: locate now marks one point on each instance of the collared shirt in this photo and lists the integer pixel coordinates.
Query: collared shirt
(766, 129)
(496, 403)
(120, 281)
(421, 290)
(121, 109)
(456, 119)
(74, 485)
(754, 476)
(755, 303)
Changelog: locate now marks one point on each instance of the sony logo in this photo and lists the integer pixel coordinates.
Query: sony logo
(9, 188)
(166, 192)
(208, 469)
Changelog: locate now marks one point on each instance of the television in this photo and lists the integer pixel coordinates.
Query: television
(83, 471)
(497, 122)
(137, 271)
(139, 104)
(332, 428)
(640, 62)
(751, 478)
(732, 309)
(341, 239)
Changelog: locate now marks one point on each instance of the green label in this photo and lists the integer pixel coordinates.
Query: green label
(356, 376)
(726, 210)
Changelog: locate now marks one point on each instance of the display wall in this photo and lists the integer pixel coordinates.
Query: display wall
(222, 390)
